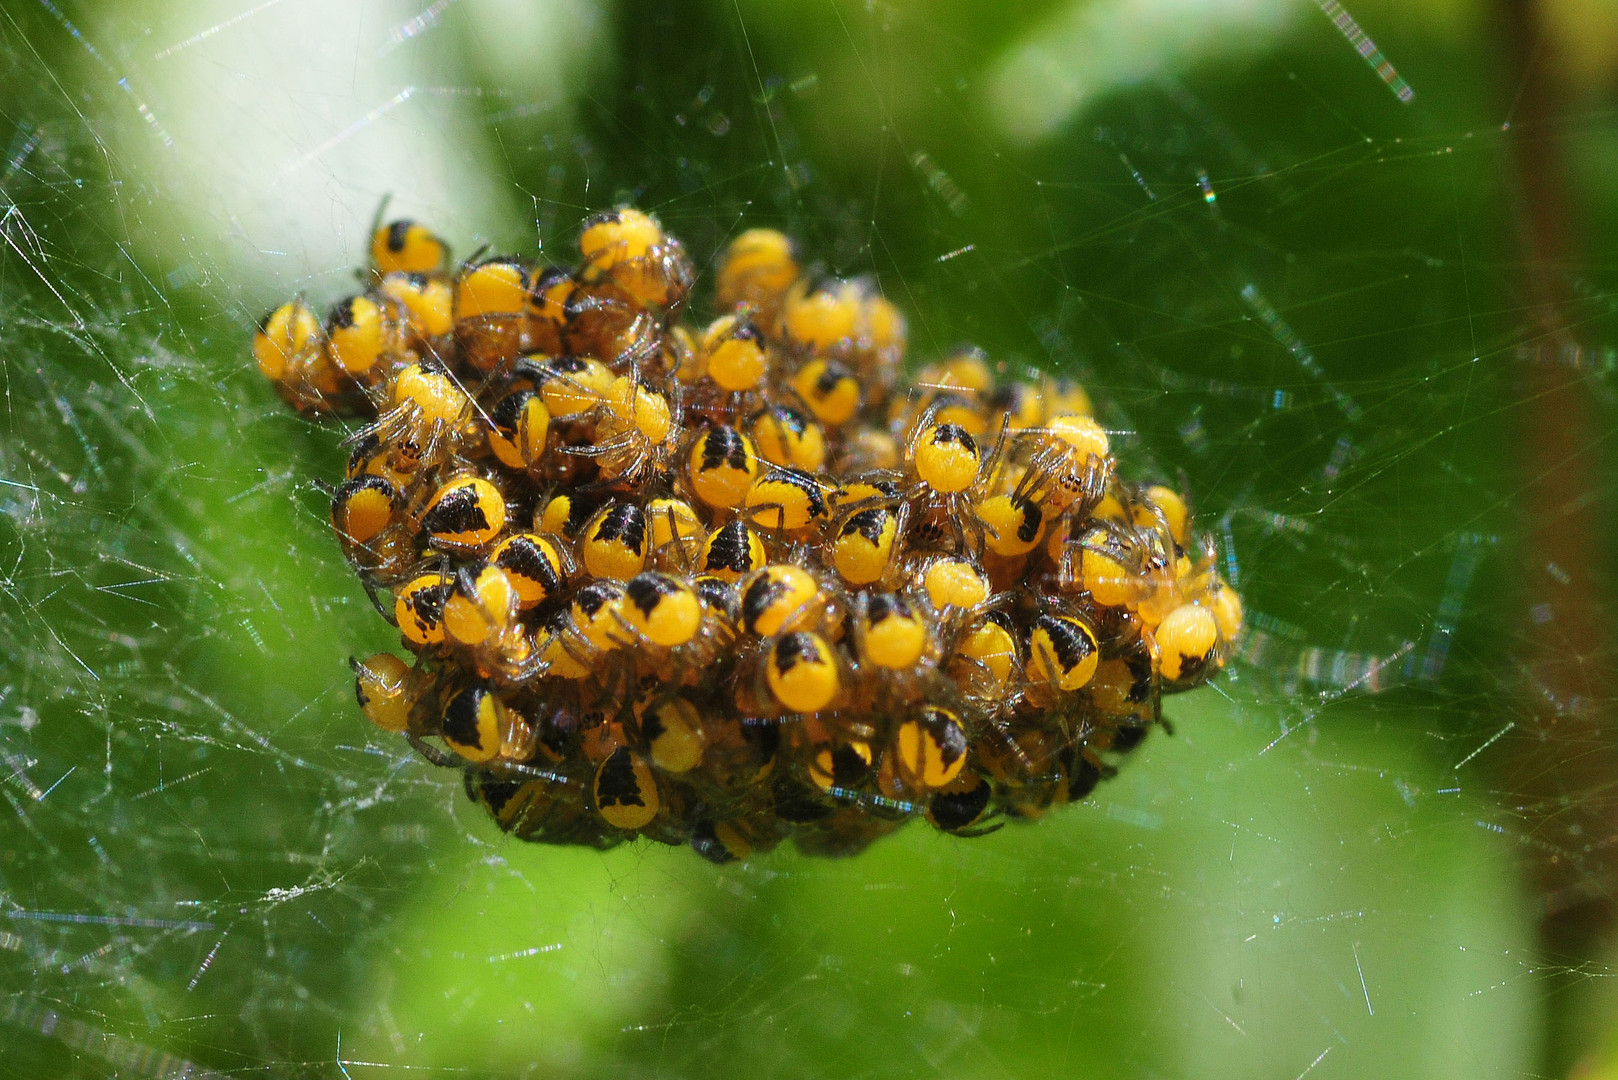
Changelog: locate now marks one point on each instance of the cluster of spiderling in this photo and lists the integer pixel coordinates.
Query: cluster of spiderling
(729, 584)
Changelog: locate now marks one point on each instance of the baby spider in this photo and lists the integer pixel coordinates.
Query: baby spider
(962, 808)
(788, 501)
(404, 246)
(636, 435)
(677, 633)
(481, 623)
(755, 270)
(629, 248)
(491, 310)
(985, 668)
(289, 346)
(1071, 456)
(945, 476)
(897, 642)
(424, 419)
(600, 319)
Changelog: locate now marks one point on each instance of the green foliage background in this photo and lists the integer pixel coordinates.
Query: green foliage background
(211, 858)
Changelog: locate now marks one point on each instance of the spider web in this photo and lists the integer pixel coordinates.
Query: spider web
(1292, 280)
